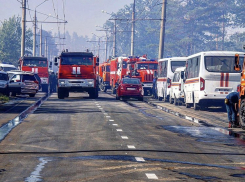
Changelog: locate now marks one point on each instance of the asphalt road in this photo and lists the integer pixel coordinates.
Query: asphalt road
(82, 139)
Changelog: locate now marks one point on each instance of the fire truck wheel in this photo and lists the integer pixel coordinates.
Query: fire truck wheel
(242, 114)
(94, 93)
(113, 90)
(67, 93)
(140, 99)
(61, 94)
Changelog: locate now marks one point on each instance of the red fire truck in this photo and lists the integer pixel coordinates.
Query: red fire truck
(37, 65)
(118, 69)
(77, 73)
(104, 74)
(143, 69)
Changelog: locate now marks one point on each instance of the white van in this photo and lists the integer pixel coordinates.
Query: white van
(210, 76)
(166, 68)
(177, 87)
(7, 67)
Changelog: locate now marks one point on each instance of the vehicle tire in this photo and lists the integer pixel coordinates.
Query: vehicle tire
(32, 95)
(105, 90)
(13, 94)
(140, 99)
(242, 114)
(102, 88)
(160, 98)
(117, 98)
(170, 100)
(61, 94)
(175, 101)
(94, 93)
(113, 90)
(195, 105)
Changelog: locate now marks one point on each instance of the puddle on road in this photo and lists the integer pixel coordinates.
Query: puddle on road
(205, 134)
(8, 127)
(204, 178)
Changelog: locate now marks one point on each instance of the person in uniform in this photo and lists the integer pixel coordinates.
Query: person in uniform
(231, 102)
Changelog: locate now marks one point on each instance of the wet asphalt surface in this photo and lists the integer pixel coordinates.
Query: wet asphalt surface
(82, 139)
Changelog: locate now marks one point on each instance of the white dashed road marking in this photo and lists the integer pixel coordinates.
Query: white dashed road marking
(119, 130)
(131, 146)
(115, 124)
(140, 159)
(108, 116)
(124, 137)
(111, 120)
(151, 176)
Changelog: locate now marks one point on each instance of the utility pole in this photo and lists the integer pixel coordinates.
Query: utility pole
(35, 32)
(133, 30)
(41, 41)
(162, 31)
(114, 39)
(23, 34)
(46, 47)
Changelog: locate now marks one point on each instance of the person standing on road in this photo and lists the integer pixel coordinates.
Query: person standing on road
(231, 102)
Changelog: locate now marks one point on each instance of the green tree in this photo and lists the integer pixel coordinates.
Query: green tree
(10, 40)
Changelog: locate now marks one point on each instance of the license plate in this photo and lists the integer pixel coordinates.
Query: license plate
(131, 88)
(76, 84)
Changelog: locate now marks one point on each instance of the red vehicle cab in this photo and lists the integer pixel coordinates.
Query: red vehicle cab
(129, 88)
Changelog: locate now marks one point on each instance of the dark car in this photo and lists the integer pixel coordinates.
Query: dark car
(4, 82)
(129, 88)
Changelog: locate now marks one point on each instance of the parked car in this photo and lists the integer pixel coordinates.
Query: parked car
(129, 88)
(7, 67)
(23, 83)
(4, 82)
(177, 88)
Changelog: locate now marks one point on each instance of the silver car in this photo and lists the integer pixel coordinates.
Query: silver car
(23, 83)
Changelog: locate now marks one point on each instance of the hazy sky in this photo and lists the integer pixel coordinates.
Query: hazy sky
(82, 15)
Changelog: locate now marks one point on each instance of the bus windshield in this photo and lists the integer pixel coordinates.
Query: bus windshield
(147, 66)
(77, 60)
(177, 64)
(35, 62)
(223, 64)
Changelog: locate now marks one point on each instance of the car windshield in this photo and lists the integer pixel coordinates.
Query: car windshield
(144, 66)
(131, 81)
(76, 60)
(177, 64)
(223, 64)
(3, 76)
(35, 62)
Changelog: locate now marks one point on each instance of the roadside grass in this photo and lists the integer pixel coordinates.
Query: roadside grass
(3, 99)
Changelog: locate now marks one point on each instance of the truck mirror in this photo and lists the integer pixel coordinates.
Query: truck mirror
(97, 61)
(182, 74)
(56, 60)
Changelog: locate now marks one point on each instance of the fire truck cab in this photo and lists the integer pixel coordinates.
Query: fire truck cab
(118, 69)
(104, 73)
(77, 73)
(144, 70)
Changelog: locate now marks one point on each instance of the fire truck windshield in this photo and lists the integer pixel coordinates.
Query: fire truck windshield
(35, 62)
(107, 69)
(77, 60)
(146, 66)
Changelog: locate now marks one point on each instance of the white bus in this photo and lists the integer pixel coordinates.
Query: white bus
(210, 76)
(166, 68)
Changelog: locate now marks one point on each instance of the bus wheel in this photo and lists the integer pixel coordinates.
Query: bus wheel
(175, 101)
(242, 114)
(170, 100)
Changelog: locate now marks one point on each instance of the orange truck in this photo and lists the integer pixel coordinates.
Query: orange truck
(37, 65)
(77, 73)
(118, 69)
(104, 74)
(144, 69)
(240, 66)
